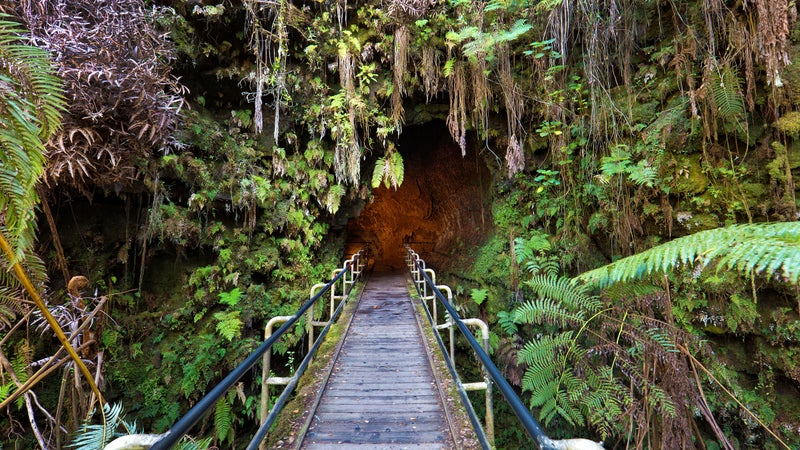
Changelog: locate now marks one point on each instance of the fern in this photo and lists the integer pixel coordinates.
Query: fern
(546, 310)
(479, 295)
(6, 390)
(535, 255)
(93, 437)
(726, 91)
(229, 325)
(388, 170)
(565, 291)
(223, 418)
(772, 248)
(21, 365)
(333, 199)
(507, 322)
(30, 112)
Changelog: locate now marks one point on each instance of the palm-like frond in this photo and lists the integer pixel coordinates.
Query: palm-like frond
(93, 437)
(566, 292)
(31, 100)
(765, 248)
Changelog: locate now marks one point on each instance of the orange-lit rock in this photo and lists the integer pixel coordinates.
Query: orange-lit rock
(441, 207)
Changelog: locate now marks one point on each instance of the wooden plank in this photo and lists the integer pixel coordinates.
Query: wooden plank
(381, 393)
(359, 446)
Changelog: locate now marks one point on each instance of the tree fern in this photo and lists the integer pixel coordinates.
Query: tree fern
(770, 248)
(30, 107)
(96, 436)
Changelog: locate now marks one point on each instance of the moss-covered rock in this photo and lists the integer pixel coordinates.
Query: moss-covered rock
(789, 123)
(689, 176)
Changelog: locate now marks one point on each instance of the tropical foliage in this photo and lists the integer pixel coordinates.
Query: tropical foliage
(212, 155)
(30, 112)
(621, 354)
(772, 249)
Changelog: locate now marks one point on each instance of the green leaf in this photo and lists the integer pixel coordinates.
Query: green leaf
(479, 295)
(772, 248)
(230, 298)
(223, 418)
(229, 325)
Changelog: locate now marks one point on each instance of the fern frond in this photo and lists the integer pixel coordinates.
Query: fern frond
(772, 248)
(396, 170)
(334, 198)
(30, 107)
(546, 310)
(229, 324)
(6, 390)
(389, 170)
(378, 172)
(545, 350)
(93, 437)
(726, 91)
(223, 418)
(507, 322)
(564, 290)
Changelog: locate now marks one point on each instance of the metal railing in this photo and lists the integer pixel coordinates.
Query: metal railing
(346, 276)
(424, 281)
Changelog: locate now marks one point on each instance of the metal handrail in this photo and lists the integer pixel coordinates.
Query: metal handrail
(486, 438)
(182, 426)
(532, 427)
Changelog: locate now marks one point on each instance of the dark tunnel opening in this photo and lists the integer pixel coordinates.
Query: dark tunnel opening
(441, 208)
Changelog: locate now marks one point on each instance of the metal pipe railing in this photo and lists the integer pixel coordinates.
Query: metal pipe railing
(182, 426)
(291, 383)
(485, 437)
(532, 427)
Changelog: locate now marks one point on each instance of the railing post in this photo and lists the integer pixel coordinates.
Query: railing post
(335, 297)
(311, 323)
(487, 382)
(265, 368)
(449, 323)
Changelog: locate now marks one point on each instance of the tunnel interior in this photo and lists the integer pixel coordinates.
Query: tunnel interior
(441, 208)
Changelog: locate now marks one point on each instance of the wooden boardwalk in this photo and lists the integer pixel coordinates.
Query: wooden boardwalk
(381, 393)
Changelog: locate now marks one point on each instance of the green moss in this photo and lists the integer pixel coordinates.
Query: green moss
(790, 74)
(755, 192)
(793, 154)
(689, 176)
(492, 262)
(789, 123)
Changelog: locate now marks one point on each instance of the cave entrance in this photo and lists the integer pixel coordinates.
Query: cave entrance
(440, 209)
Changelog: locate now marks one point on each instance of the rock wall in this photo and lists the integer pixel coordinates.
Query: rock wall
(440, 209)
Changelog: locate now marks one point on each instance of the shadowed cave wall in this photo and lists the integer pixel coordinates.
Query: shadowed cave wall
(441, 208)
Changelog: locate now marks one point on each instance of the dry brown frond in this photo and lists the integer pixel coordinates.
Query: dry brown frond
(457, 115)
(430, 72)
(400, 68)
(406, 10)
(481, 93)
(515, 109)
(123, 101)
(773, 34)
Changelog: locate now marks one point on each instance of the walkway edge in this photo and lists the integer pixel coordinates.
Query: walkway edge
(464, 437)
(308, 378)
